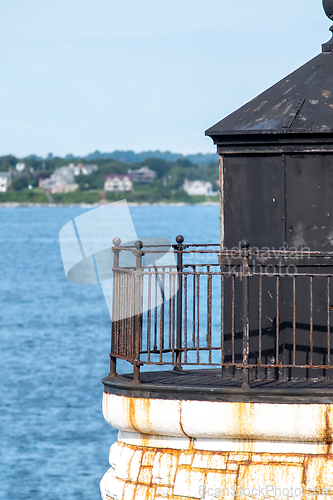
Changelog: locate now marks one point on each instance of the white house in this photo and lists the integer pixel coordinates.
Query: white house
(198, 188)
(4, 181)
(118, 183)
(61, 181)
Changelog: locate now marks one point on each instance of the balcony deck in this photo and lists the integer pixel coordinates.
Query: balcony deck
(209, 385)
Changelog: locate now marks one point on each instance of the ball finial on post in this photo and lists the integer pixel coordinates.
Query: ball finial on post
(116, 242)
(179, 239)
(328, 8)
(138, 245)
(245, 244)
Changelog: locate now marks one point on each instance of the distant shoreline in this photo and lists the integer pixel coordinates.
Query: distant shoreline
(95, 205)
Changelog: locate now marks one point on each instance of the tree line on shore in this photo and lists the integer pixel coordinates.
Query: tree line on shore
(167, 186)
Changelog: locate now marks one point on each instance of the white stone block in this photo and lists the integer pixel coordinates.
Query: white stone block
(145, 476)
(220, 485)
(163, 491)
(148, 458)
(111, 486)
(189, 483)
(271, 478)
(164, 469)
(129, 491)
(186, 458)
(255, 421)
(136, 465)
(271, 458)
(146, 416)
(154, 441)
(313, 494)
(319, 473)
(218, 462)
(128, 466)
(239, 457)
(201, 461)
(141, 492)
(258, 446)
(103, 484)
(114, 455)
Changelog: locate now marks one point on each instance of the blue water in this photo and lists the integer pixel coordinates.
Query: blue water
(55, 341)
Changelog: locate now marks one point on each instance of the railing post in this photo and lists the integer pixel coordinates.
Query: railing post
(245, 245)
(114, 326)
(180, 248)
(137, 311)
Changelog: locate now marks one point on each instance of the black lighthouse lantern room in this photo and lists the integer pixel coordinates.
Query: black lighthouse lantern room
(276, 185)
(276, 157)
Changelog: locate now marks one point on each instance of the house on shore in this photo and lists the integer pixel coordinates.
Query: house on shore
(118, 183)
(61, 181)
(198, 188)
(143, 175)
(5, 181)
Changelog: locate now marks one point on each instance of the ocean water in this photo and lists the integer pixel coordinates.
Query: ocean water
(55, 342)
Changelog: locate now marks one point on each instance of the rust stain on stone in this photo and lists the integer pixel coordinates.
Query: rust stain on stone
(328, 428)
(134, 406)
(309, 472)
(243, 414)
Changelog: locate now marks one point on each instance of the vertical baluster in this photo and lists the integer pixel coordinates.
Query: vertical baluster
(260, 319)
(138, 311)
(209, 315)
(180, 248)
(170, 303)
(328, 322)
(149, 317)
(277, 319)
(121, 316)
(115, 298)
(311, 320)
(173, 317)
(222, 320)
(246, 321)
(155, 311)
(233, 320)
(198, 315)
(162, 317)
(294, 320)
(193, 306)
(132, 282)
(185, 318)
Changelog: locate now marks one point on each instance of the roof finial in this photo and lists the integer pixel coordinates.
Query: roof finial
(328, 8)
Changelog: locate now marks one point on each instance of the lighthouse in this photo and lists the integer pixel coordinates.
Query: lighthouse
(229, 391)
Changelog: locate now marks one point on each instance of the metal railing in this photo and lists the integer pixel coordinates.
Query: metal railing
(256, 314)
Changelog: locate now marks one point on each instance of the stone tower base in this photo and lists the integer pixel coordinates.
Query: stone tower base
(141, 470)
(236, 450)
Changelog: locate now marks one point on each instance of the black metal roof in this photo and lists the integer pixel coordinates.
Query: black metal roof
(301, 102)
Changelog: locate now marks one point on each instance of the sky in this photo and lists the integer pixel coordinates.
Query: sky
(83, 75)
